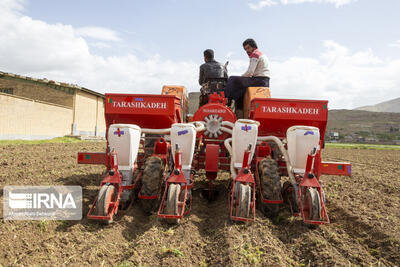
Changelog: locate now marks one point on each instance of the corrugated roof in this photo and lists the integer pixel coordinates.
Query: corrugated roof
(50, 82)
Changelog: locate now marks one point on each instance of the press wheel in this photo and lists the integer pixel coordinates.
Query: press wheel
(244, 200)
(312, 205)
(107, 195)
(172, 206)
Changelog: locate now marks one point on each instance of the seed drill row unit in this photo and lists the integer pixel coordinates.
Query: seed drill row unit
(153, 152)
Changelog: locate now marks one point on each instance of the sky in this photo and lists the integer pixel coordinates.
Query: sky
(343, 51)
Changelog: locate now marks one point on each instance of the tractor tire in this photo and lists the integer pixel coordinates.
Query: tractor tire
(290, 197)
(276, 153)
(172, 206)
(149, 142)
(106, 195)
(151, 182)
(244, 201)
(270, 185)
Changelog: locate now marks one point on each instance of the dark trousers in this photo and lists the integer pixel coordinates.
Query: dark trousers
(237, 85)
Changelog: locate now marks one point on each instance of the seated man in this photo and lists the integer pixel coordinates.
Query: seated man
(256, 75)
(212, 76)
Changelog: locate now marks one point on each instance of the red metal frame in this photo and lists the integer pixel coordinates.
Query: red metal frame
(177, 177)
(277, 115)
(147, 111)
(93, 158)
(211, 165)
(211, 154)
(215, 106)
(336, 168)
(112, 177)
(311, 180)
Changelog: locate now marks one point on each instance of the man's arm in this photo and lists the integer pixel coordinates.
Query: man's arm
(201, 76)
(252, 67)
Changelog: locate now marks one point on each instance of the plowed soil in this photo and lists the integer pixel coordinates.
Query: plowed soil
(364, 210)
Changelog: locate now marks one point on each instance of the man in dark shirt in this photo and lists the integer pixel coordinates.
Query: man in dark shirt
(212, 76)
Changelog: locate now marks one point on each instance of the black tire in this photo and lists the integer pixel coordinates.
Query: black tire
(102, 204)
(276, 153)
(149, 142)
(290, 197)
(244, 200)
(151, 182)
(172, 205)
(270, 185)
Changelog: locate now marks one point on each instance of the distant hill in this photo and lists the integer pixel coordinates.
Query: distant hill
(387, 106)
(374, 127)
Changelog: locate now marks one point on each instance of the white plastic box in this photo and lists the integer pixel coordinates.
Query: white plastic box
(244, 133)
(184, 134)
(301, 141)
(125, 140)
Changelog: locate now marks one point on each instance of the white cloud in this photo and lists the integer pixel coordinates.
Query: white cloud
(60, 52)
(266, 3)
(98, 33)
(395, 44)
(35, 48)
(263, 3)
(347, 79)
(11, 5)
(100, 45)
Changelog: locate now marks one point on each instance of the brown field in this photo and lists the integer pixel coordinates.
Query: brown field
(364, 210)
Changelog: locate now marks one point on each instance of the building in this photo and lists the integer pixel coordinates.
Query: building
(40, 109)
(333, 136)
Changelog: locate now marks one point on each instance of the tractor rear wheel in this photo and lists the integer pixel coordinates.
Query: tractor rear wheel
(172, 206)
(151, 182)
(107, 194)
(270, 180)
(244, 200)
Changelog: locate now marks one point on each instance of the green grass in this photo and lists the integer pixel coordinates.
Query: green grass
(124, 264)
(251, 254)
(43, 226)
(45, 141)
(170, 250)
(363, 146)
